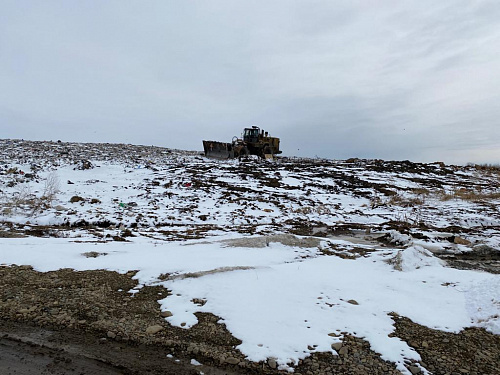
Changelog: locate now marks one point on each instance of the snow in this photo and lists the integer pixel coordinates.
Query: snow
(280, 299)
(415, 257)
(279, 295)
(483, 304)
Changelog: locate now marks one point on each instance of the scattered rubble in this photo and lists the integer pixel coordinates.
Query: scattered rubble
(171, 195)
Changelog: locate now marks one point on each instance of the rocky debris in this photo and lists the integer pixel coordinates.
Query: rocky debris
(278, 200)
(27, 349)
(11, 234)
(461, 241)
(286, 195)
(232, 360)
(151, 330)
(414, 369)
(96, 303)
(481, 257)
(272, 363)
(472, 351)
(93, 254)
(83, 165)
(354, 357)
(337, 346)
(76, 199)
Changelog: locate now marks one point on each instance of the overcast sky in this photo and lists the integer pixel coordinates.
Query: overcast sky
(416, 80)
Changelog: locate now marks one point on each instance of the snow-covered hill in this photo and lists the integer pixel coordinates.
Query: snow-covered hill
(291, 254)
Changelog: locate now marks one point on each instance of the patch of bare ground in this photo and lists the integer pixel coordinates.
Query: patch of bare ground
(483, 258)
(66, 321)
(97, 303)
(473, 351)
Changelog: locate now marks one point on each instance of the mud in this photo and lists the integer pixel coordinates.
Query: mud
(68, 322)
(26, 349)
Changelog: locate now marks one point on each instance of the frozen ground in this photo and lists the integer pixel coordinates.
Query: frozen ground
(291, 254)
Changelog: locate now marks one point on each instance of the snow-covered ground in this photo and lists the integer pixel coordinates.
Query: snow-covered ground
(290, 254)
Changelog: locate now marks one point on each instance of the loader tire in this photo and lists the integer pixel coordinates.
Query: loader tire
(244, 152)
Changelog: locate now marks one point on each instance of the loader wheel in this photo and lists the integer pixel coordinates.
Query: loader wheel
(244, 152)
(266, 151)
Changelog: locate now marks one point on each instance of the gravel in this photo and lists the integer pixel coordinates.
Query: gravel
(96, 305)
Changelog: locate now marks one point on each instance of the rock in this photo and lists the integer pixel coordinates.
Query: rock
(343, 351)
(151, 330)
(76, 198)
(232, 360)
(425, 344)
(166, 314)
(353, 302)
(272, 362)
(337, 346)
(461, 241)
(414, 370)
(111, 335)
(83, 165)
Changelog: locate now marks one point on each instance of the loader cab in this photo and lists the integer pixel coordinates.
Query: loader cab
(251, 135)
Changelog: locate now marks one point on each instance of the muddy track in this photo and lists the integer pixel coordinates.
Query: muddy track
(68, 322)
(27, 349)
(65, 322)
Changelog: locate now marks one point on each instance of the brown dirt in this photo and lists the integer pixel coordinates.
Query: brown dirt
(472, 351)
(66, 322)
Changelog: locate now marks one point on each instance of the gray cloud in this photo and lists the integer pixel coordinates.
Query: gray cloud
(412, 80)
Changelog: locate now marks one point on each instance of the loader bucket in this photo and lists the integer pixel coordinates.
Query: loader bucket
(218, 150)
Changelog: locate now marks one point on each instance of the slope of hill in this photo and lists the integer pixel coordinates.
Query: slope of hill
(305, 265)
